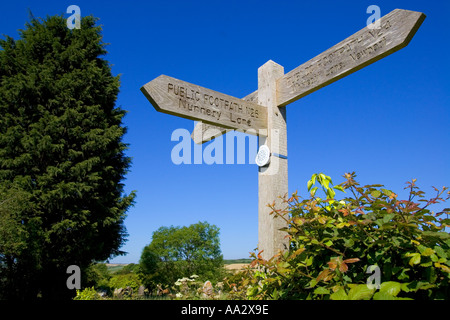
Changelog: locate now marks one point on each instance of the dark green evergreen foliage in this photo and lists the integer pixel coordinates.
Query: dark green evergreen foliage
(61, 148)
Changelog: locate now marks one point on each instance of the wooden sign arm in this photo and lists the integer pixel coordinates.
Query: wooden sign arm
(363, 48)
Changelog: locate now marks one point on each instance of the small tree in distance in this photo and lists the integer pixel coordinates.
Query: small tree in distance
(177, 252)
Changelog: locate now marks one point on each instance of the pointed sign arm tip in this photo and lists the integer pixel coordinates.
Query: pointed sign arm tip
(190, 101)
(395, 31)
(361, 49)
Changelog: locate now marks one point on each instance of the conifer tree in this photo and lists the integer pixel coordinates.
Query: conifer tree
(61, 148)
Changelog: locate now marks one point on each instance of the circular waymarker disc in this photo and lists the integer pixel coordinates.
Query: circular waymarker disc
(263, 156)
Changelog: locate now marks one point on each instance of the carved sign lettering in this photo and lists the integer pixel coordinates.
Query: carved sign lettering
(187, 100)
(363, 48)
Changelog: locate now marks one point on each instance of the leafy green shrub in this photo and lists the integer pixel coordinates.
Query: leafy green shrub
(334, 243)
(131, 280)
(129, 268)
(98, 276)
(87, 294)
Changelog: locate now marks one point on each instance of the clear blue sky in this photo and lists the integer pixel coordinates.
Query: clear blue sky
(389, 122)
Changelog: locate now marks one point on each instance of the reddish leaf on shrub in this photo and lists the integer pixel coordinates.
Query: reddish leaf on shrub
(352, 260)
(333, 264)
(343, 267)
(324, 275)
(297, 252)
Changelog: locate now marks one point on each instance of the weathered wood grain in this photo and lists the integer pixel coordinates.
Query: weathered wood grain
(187, 100)
(205, 132)
(354, 53)
(273, 178)
(363, 48)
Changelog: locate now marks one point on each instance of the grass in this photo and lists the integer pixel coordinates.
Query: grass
(117, 267)
(233, 261)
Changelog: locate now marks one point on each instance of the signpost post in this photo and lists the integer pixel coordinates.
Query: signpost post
(263, 112)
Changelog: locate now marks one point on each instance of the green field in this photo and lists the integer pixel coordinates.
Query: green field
(232, 261)
(114, 267)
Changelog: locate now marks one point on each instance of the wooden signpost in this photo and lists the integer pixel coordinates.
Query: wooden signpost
(354, 53)
(187, 100)
(263, 112)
